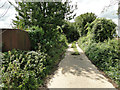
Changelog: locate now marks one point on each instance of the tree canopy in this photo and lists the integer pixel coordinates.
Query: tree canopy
(82, 20)
(103, 29)
(43, 14)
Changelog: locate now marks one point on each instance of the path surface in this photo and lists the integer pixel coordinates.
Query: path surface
(77, 72)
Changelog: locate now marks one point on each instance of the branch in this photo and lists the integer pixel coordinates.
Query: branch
(5, 12)
(3, 5)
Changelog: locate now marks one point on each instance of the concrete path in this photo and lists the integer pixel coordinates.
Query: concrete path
(76, 71)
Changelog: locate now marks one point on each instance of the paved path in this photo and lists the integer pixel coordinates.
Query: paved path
(77, 72)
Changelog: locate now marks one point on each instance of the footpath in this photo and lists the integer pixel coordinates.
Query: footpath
(77, 71)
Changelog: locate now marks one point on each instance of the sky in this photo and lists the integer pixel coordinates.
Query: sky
(95, 6)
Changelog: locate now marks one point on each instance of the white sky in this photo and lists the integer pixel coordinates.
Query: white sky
(95, 6)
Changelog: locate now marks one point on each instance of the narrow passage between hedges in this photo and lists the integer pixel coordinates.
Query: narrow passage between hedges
(76, 71)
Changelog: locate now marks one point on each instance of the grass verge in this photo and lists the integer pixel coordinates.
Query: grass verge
(75, 49)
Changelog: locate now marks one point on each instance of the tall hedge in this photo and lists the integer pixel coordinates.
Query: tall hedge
(103, 29)
(82, 20)
(70, 31)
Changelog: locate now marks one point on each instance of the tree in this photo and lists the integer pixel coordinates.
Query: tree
(70, 31)
(112, 3)
(82, 20)
(103, 29)
(43, 14)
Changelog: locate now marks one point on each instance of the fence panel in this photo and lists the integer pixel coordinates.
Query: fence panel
(15, 39)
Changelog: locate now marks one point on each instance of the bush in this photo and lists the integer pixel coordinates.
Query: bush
(70, 31)
(103, 29)
(99, 45)
(104, 55)
(24, 69)
(27, 69)
(52, 41)
(36, 36)
(82, 20)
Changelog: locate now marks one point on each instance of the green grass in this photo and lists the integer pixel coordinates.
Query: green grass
(73, 44)
(75, 49)
(76, 52)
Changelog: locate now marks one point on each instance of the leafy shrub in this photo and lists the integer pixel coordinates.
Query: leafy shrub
(103, 29)
(36, 36)
(24, 69)
(53, 42)
(70, 31)
(51, 39)
(104, 55)
(27, 69)
(82, 20)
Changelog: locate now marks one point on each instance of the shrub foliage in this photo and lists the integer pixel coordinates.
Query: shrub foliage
(82, 20)
(70, 31)
(27, 69)
(100, 46)
(23, 69)
(105, 55)
(103, 29)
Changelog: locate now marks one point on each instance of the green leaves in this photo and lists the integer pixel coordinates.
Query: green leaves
(43, 13)
(27, 69)
(82, 20)
(47, 40)
(70, 31)
(104, 55)
(103, 29)
(22, 70)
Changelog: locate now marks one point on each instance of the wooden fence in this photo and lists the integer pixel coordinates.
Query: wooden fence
(15, 39)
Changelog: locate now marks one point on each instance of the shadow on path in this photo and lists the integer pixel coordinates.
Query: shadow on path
(77, 71)
(79, 65)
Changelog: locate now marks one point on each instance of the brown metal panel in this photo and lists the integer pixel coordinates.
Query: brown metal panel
(28, 44)
(15, 39)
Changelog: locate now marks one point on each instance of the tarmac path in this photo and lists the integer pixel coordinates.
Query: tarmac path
(77, 71)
